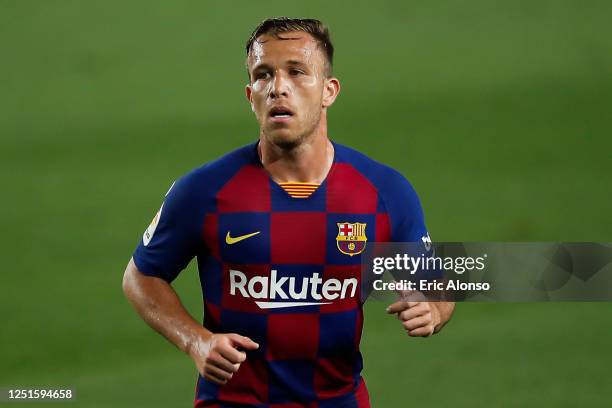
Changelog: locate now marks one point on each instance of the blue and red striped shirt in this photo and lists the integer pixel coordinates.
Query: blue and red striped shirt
(282, 270)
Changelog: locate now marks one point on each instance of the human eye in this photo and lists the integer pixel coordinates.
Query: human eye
(296, 71)
(262, 75)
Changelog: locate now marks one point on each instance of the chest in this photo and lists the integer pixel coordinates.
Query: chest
(293, 238)
(257, 222)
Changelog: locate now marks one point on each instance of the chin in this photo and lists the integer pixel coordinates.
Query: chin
(284, 138)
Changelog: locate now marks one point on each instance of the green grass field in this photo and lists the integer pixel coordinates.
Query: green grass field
(499, 112)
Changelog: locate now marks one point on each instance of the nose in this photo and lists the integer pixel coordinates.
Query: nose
(280, 86)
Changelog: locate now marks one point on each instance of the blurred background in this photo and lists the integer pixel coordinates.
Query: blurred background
(499, 112)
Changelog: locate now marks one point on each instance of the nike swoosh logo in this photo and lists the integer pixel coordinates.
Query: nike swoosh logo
(232, 240)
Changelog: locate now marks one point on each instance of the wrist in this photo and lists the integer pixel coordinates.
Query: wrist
(445, 312)
(437, 317)
(198, 342)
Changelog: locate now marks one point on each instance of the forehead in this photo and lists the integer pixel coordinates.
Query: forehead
(294, 45)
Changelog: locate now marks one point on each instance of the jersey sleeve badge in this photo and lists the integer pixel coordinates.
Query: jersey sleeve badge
(148, 234)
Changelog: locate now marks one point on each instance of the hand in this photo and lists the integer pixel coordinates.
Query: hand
(219, 356)
(419, 317)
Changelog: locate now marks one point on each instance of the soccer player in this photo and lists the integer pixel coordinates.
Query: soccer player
(277, 227)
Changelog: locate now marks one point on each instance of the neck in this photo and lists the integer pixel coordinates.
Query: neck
(308, 162)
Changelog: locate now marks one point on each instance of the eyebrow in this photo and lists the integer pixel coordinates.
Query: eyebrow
(295, 62)
(264, 66)
(277, 37)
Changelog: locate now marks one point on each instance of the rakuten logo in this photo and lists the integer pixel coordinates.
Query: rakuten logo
(286, 288)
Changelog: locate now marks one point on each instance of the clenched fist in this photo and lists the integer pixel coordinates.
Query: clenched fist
(419, 317)
(219, 356)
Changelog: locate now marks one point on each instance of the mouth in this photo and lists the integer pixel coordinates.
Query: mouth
(280, 114)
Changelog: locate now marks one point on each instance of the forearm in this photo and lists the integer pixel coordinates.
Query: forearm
(445, 311)
(160, 307)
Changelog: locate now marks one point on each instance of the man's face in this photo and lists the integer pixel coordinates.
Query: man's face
(288, 87)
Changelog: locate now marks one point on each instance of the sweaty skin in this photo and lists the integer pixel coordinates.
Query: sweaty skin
(286, 71)
(216, 356)
(291, 71)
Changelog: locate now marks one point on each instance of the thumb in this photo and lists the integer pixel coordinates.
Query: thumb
(411, 296)
(402, 294)
(243, 341)
(397, 307)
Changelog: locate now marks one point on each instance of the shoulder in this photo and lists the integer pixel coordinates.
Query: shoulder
(212, 176)
(396, 194)
(383, 177)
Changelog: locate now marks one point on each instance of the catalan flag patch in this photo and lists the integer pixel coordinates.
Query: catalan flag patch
(299, 190)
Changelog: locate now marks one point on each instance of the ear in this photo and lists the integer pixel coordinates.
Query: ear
(331, 89)
(249, 95)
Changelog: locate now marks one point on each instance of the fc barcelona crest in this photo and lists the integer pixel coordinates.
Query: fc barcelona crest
(351, 238)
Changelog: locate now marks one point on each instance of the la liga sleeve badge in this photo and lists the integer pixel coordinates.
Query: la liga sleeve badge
(351, 239)
(148, 234)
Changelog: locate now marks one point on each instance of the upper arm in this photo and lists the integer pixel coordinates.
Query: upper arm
(131, 276)
(173, 238)
(404, 208)
(135, 282)
(408, 220)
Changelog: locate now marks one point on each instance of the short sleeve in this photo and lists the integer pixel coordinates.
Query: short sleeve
(405, 211)
(171, 241)
(407, 218)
